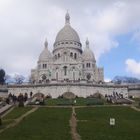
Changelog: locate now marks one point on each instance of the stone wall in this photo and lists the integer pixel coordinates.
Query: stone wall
(80, 90)
(3, 91)
(134, 90)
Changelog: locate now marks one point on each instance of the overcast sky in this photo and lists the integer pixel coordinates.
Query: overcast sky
(112, 27)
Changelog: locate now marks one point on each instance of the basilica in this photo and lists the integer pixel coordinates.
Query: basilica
(68, 62)
(68, 69)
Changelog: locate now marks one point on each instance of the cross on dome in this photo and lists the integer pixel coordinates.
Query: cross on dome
(67, 18)
(87, 43)
(46, 43)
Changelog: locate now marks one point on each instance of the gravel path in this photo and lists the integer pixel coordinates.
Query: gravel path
(73, 125)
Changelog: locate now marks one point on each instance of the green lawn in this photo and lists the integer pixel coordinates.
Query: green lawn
(17, 112)
(93, 124)
(79, 101)
(137, 101)
(138, 107)
(96, 126)
(43, 124)
(55, 102)
(14, 114)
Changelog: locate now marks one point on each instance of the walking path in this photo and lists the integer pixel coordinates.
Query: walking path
(135, 108)
(73, 125)
(18, 120)
(5, 108)
(4, 114)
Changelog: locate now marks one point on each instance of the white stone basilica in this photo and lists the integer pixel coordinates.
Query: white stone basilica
(68, 62)
(68, 69)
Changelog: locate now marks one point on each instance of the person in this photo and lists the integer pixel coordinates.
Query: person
(7, 101)
(21, 100)
(14, 99)
(25, 97)
(31, 94)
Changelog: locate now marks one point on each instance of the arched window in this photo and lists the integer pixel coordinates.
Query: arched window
(74, 76)
(58, 55)
(57, 76)
(71, 54)
(44, 66)
(89, 65)
(75, 56)
(65, 70)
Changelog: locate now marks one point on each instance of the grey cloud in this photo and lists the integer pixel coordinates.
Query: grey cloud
(24, 25)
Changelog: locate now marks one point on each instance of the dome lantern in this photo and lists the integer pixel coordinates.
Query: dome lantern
(87, 43)
(46, 43)
(67, 18)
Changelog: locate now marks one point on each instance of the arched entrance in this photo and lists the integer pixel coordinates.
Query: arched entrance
(69, 95)
(39, 95)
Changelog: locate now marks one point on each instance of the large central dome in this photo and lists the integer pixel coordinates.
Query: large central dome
(67, 33)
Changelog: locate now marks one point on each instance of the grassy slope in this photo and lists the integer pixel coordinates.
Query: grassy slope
(17, 112)
(55, 102)
(137, 101)
(44, 124)
(79, 101)
(97, 127)
(14, 114)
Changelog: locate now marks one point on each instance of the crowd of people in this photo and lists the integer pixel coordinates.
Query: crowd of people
(114, 96)
(13, 99)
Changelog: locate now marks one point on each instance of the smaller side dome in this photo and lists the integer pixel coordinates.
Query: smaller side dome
(88, 55)
(45, 54)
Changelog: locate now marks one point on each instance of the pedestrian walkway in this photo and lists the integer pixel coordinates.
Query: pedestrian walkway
(5, 108)
(135, 108)
(73, 125)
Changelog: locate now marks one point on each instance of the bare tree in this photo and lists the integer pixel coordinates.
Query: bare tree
(19, 79)
(2, 76)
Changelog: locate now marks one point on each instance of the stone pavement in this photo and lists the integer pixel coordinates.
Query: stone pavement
(5, 108)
